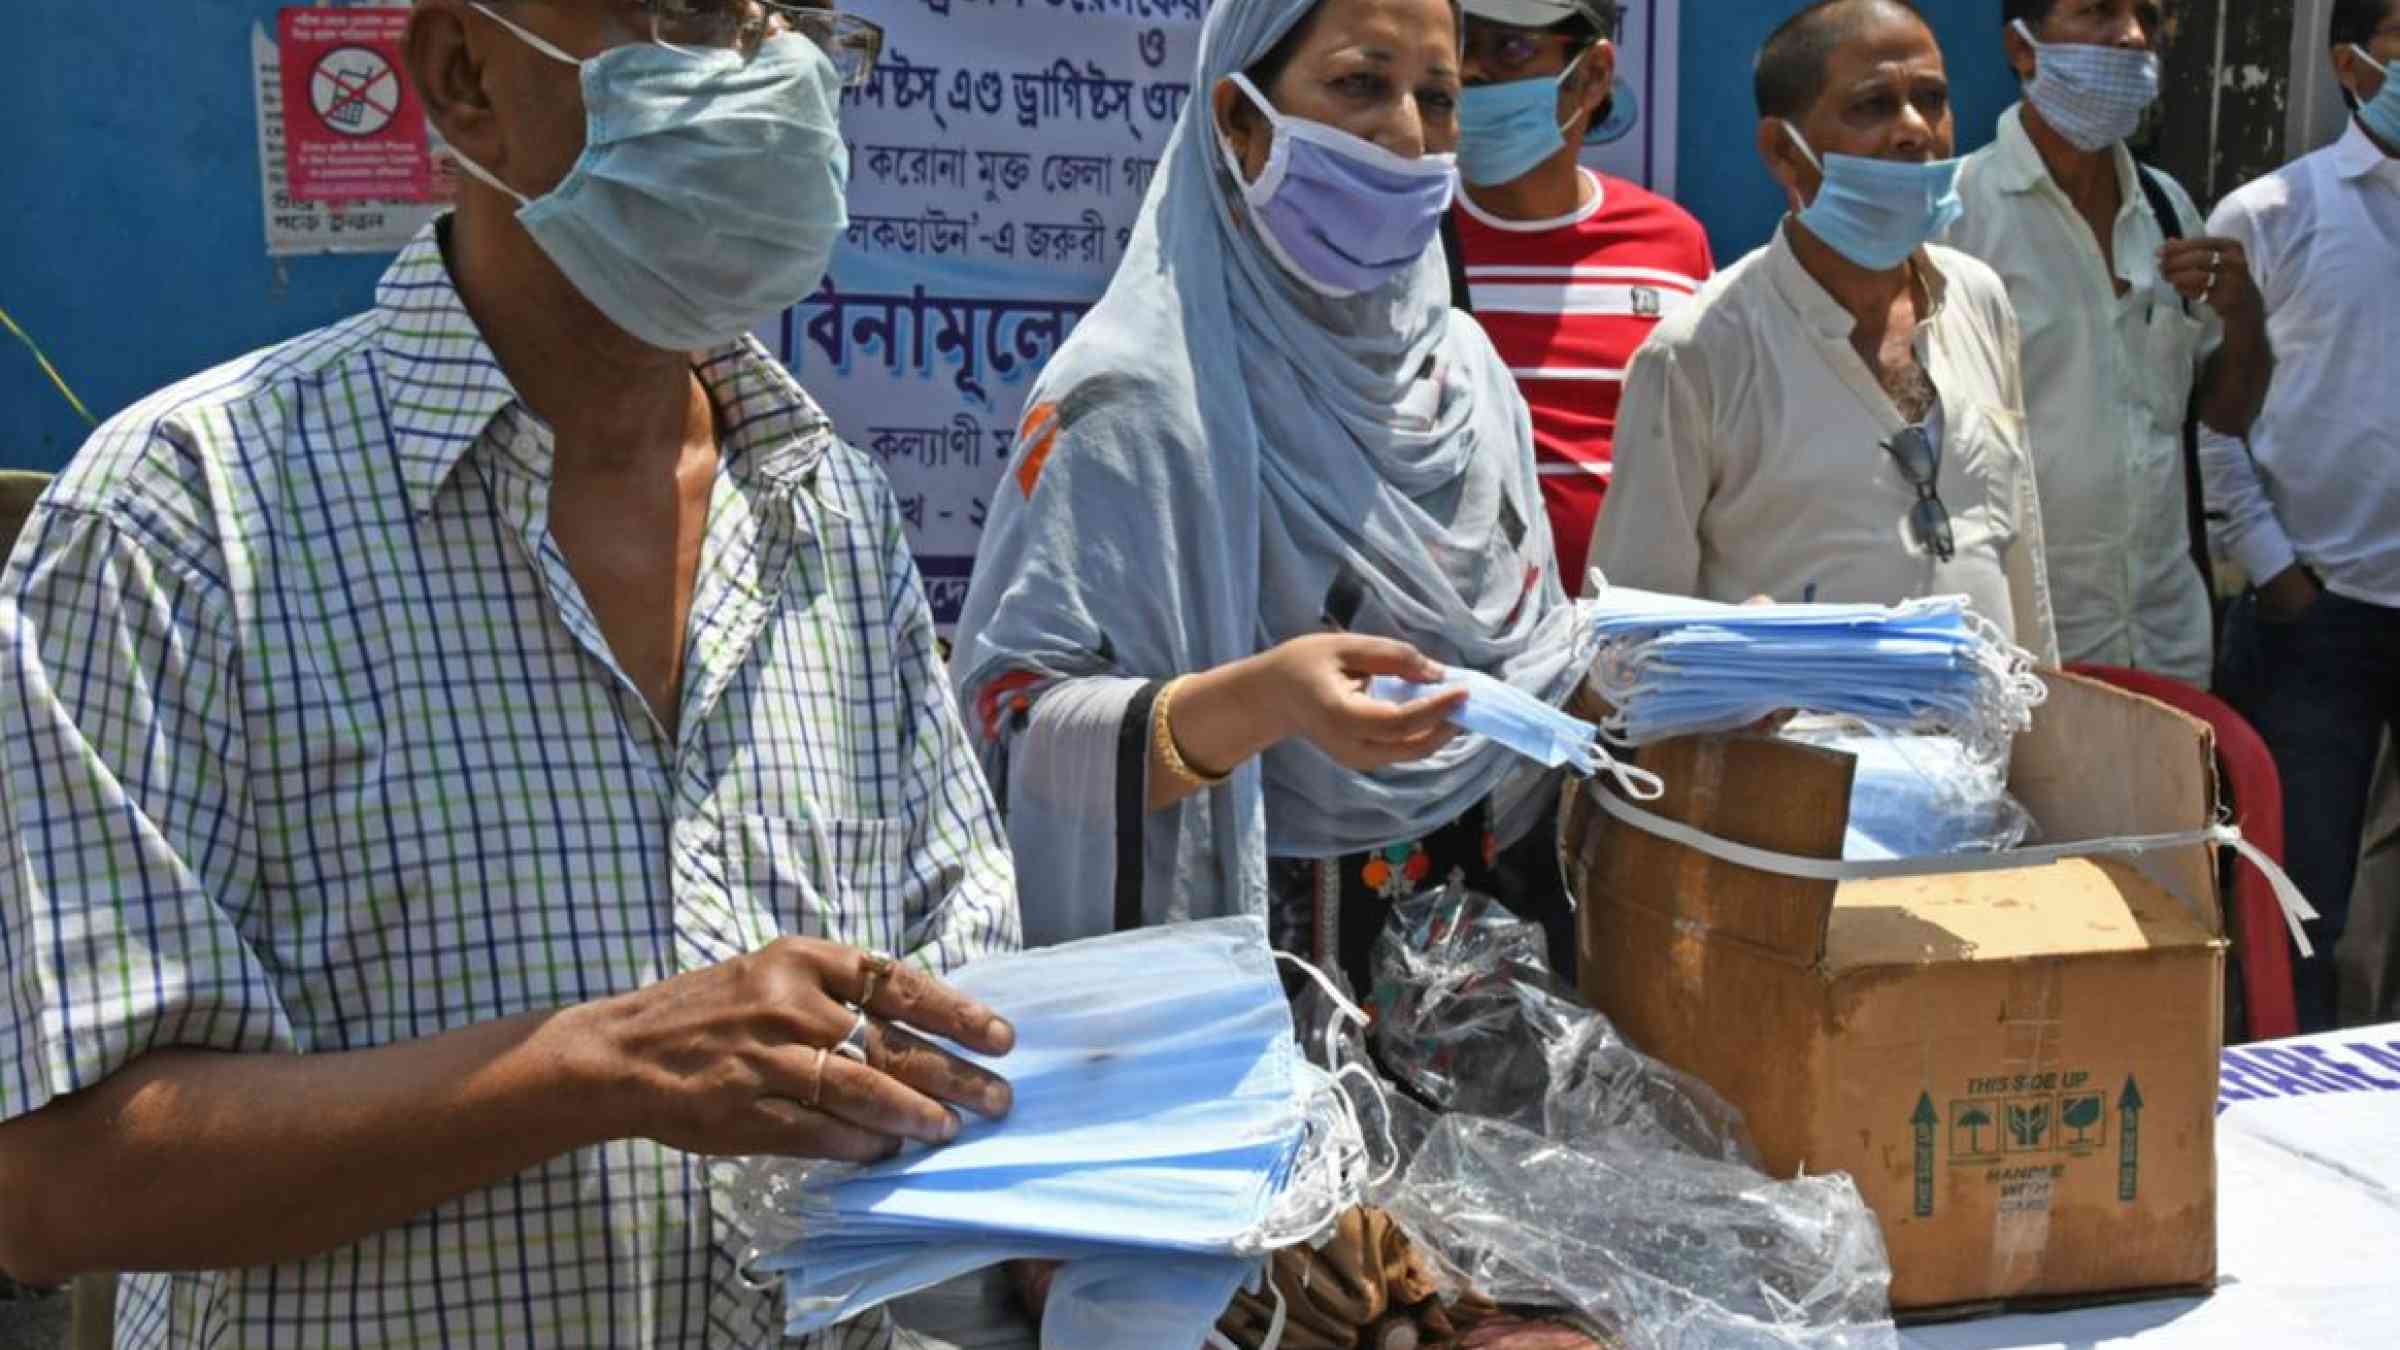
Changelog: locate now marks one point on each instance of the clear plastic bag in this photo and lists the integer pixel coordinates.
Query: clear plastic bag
(1665, 1250)
(1470, 1017)
(1919, 795)
(1564, 1168)
(1452, 972)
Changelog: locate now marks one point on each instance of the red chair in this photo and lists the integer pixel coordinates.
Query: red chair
(2257, 791)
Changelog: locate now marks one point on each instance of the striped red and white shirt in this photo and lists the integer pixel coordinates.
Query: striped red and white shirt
(1567, 301)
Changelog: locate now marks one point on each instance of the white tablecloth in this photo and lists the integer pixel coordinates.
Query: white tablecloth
(2308, 1215)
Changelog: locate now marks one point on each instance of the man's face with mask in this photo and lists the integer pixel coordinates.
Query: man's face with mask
(526, 119)
(679, 162)
(1886, 95)
(2364, 78)
(1498, 53)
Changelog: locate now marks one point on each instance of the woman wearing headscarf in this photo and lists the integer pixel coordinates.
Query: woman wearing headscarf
(1271, 464)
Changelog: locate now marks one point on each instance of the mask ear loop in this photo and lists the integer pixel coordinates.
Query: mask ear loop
(1272, 1338)
(540, 44)
(1270, 174)
(1639, 784)
(530, 38)
(1807, 150)
(1560, 84)
(1373, 1087)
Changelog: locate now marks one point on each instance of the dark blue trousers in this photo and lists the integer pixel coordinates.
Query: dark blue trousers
(2322, 689)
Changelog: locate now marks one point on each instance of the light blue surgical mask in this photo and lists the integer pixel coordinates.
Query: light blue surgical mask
(709, 196)
(1879, 212)
(1508, 716)
(1107, 1303)
(1504, 130)
(2092, 95)
(1343, 215)
(2381, 114)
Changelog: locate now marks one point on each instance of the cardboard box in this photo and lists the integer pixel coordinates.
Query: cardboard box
(2018, 1067)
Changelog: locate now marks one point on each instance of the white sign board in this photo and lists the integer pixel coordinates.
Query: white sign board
(295, 228)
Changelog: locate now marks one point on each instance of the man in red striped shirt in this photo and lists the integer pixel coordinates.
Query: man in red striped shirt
(1567, 269)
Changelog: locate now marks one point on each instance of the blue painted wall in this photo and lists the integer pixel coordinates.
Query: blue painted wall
(135, 251)
(134, 241)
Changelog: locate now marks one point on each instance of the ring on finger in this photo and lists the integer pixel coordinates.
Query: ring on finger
(875, 968)
(853, 1046)
(816, 1079)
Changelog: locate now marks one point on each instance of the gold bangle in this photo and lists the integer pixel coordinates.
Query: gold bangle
(1162, 733)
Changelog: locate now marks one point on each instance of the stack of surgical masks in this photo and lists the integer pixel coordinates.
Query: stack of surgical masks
(1167, 1133)
(1678, 667)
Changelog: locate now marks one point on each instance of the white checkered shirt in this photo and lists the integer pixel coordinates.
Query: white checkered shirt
(312, 744)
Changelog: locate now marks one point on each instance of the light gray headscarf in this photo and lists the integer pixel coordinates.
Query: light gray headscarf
(1212, 461)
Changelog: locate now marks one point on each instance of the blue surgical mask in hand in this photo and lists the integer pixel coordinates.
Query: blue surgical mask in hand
(1879, 212)
(2094, 96)
(1341, 214)
(1510, 717)
(709, 196)
(1165, 1121)
(1505, 129)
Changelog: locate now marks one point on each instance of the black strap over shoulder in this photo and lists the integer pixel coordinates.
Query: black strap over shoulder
(2162, 206)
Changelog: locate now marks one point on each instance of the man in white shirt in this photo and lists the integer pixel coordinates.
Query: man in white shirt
(1839, 416)
(2124, 312)
(2310, 506)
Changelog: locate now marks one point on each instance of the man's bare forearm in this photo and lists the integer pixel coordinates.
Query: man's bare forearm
(188, 1159)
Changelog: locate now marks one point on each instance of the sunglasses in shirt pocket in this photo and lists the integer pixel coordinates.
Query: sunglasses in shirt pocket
(846, 880)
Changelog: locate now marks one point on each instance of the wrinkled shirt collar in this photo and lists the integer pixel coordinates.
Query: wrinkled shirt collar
(1816, 306)
(445, 390)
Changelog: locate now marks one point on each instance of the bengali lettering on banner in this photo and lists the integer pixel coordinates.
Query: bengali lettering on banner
(999, 156)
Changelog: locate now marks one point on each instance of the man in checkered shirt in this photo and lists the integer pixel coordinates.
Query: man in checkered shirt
(462, 769)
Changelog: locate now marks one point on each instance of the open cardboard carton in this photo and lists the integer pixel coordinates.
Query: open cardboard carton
(2019, 1067)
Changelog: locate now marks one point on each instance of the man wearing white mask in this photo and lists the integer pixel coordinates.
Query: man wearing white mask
(1567, 269)
(1839, 416)
(470, 765)
(2125, 313)
(2309, 506)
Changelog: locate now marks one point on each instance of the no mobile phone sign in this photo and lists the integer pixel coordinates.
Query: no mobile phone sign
(353, 128)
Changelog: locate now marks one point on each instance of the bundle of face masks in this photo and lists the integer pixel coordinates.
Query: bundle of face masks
(1677, 667)
(1167, 1133)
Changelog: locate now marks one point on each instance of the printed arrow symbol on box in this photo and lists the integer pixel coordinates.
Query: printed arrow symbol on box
(2129, 1141)
(1924, 1121)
